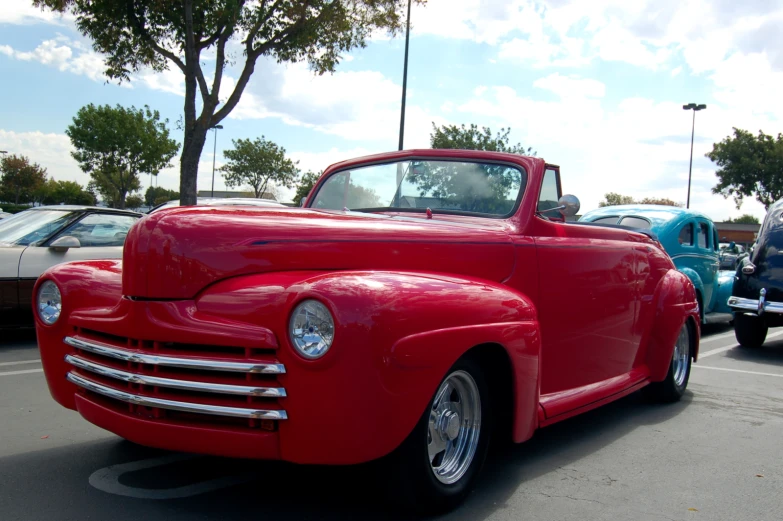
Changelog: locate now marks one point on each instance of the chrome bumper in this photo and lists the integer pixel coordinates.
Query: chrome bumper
(759, 306)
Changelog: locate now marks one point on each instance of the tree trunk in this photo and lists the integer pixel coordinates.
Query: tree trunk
(191, 154)
(121, 202)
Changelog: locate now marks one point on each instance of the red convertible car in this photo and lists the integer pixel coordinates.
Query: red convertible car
(422, 304)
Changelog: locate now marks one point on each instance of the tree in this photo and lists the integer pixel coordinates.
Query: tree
(138, 34)
(66, 192)
(257, 164)
(471, 138)
(115, 145)
(749, 165)
(20, 179)
(615, 199)
(134, 202)
(156, 195)
(306, 183)
(744, 219)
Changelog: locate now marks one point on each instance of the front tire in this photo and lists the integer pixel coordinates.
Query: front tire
(673, 387)
(750, 331)
(437, 464)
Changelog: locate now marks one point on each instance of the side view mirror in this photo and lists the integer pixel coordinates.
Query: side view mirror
(569, 204)
(65, 242)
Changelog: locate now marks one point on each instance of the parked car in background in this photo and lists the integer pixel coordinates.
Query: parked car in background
(757, 295)
(220, 201)
(691, 240)
(730, 254)
(36, 239)
(422, 304)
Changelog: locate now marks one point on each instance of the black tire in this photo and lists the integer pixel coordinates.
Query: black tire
(414, 485)
(673, 387)
(750, 331)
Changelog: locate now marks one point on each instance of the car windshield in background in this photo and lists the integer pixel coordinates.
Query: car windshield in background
(28, 227)
(445, 186)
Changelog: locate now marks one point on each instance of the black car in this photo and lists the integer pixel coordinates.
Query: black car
(757, 294)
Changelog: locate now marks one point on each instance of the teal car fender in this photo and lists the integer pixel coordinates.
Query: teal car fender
(697, 283)
(726, 280)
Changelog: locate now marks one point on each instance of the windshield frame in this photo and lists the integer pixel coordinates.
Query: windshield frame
(523, 188)
(76, 215)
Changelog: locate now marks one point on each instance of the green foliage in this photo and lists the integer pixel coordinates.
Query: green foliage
(615, 199)
(744, 219)
(305, 184)
(21, 180)
(66, 192)
(471, 138)
(136, 34)
(14, 208)
(134, 202)
(156, 195)
(749, 165)
(115, 145)
(257, 164)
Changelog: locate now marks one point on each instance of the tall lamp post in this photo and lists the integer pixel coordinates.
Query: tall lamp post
(405, 75)
(694, 107)
(214, 153)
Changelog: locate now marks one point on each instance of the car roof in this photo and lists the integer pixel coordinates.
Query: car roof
(80, 208)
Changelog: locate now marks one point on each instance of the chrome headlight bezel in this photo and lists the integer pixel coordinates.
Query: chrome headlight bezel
(311, 329)
(48, 302)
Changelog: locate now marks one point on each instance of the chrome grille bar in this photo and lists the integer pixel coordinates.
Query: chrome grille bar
(170, 361)
(237, 412)
(244, 390)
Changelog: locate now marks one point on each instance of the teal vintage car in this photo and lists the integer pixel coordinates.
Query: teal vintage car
(690, 239)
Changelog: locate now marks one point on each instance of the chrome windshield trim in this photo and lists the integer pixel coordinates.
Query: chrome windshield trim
(170, 361)
(236, 412)
(756, 306)
(243, 390)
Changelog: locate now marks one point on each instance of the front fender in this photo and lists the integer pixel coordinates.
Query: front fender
(396, 335)
(697, 284)
(676, 303)
(725, 285)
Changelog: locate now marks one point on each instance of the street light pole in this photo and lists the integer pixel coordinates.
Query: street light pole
(694, 107)
(405, 75)
(214, 153)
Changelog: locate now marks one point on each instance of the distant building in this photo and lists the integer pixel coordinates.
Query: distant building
(744, 234)
(224, 194)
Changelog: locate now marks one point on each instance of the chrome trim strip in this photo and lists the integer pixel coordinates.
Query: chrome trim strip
(756, 306)
(697, 256)
(160, 403)
(170, 361)
(243, 390)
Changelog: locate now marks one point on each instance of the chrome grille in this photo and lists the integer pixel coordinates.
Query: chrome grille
(177, 387)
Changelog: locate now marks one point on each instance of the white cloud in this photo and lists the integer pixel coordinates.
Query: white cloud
(571, 86)
(63, 54)
(22, 12)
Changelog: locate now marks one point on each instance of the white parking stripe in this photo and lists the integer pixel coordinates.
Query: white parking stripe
(732, 346)
(737, 371)
(27, 371)
(37, 360)
(713, 338)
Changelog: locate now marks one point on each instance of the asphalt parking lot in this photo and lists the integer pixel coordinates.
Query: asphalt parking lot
(716, 455)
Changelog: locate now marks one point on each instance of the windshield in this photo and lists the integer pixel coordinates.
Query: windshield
(28, 227)
(445, 186)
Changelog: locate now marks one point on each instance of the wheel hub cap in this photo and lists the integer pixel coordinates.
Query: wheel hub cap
(449, 425)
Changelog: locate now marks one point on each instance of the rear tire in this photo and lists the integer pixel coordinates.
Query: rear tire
(750, 331)
(673, 387)
(435, 467)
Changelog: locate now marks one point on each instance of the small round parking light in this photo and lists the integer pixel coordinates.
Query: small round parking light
(311, 329)
(49, 303)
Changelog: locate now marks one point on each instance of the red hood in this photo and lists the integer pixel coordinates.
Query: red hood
(176, 253)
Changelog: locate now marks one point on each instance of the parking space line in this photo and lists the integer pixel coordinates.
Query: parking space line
(737, 371)
(732, 346)
(21, 362)
(26, 371)
(713, 338)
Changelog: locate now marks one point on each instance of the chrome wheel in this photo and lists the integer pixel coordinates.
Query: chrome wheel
(681, 357)
(454, 427)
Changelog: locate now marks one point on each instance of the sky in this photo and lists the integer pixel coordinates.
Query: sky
(596, 87)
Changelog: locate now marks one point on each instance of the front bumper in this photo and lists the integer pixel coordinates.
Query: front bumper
(760, 306)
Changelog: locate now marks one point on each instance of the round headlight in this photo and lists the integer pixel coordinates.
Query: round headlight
(311, 329)
(50, 302)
